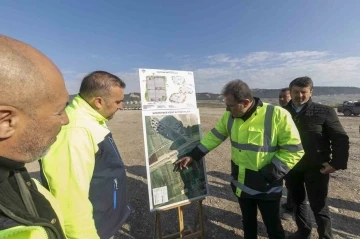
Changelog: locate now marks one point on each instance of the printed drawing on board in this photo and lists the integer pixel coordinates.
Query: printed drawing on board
(167, 89)
(168, 138)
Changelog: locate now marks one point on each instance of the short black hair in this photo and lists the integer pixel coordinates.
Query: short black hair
(99, 83)
(304, 81)
(284, 89)
(238, 89)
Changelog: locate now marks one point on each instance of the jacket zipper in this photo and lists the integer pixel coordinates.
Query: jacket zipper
(115, 192)
(114, 148)
(25, 195)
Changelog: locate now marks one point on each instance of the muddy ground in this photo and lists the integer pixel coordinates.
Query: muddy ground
(221, 210)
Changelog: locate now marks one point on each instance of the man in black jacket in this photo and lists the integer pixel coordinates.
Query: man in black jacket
(326, 148)
(32, 104)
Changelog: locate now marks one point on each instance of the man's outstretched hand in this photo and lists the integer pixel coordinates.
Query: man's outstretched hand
(182, 163)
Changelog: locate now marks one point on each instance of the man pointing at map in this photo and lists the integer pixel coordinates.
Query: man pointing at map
(265, 145)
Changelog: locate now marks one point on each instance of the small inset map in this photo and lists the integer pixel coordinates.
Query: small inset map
(178, 80)
(177, 98)
(187, 89)
(155, 88)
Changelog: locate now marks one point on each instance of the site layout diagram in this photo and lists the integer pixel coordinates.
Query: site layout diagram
(167, 89)
(170, 135)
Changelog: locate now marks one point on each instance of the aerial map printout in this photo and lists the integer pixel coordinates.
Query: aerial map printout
(169, 134)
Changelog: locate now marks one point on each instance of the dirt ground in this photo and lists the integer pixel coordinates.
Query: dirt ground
(221, 210)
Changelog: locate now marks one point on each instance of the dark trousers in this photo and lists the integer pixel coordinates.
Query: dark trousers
(288, 204)
(270, 214)
(316, 185)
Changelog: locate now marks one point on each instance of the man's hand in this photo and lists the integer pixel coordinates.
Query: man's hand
(182, 163)
(327, 169)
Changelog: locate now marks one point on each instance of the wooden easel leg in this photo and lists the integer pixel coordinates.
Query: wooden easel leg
(158, 225)
(188, 234)
(181, 221)
(201, 220)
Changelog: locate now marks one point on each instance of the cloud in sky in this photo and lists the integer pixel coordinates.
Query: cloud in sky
(264, 58)
(258, 69)
(276, 70)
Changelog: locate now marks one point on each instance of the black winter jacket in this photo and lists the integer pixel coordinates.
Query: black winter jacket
(322, 136)
(15, 193)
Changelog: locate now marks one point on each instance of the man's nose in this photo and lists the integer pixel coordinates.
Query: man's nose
(65, 119)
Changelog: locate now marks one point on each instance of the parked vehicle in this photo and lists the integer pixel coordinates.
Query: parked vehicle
(349, 108)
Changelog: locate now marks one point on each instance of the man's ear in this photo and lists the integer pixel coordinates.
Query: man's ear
(98, 102)
(246, 102)
(8, 121)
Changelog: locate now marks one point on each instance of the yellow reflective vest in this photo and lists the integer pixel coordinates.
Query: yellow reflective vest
(85, 172)
(267, 139)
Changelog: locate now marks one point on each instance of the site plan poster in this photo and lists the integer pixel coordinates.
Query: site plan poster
(170, 135)
(167, 89)
(171, 126)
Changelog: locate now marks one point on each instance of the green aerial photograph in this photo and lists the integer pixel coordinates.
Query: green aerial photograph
(171, 137)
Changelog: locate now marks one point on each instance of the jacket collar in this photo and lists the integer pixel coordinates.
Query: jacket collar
(289, 106)
(256, 103)
(7, 165)
(80, 104)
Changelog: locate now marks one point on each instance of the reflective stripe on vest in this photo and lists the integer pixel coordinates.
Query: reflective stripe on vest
(266, 147)
(268, 126)
(203, 148)
(230, 124)
(255, 148)
(280, 165)
(255, 192)
(292, 147)
(218, 135)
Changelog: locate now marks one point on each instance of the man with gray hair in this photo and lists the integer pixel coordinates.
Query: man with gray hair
(265, 145)
(32, 111)
(83, 168)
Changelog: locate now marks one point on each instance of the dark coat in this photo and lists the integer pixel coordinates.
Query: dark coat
(15, 194)
(322, 136)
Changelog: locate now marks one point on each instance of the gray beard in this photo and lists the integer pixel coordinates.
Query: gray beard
(35, 157)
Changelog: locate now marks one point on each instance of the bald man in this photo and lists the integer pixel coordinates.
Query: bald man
(32, 103)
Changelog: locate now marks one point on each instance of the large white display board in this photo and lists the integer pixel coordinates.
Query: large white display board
(171, 127)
